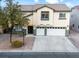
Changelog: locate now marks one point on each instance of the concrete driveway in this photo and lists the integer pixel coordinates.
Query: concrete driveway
(74, 38)
(53, 44)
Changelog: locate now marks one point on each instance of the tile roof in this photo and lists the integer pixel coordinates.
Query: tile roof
(56, 7)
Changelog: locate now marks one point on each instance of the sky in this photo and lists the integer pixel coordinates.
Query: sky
(69, 3)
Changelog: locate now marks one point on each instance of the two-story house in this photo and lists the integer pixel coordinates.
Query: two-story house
(47, 19)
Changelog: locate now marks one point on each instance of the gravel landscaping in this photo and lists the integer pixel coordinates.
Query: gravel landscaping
(6, 46)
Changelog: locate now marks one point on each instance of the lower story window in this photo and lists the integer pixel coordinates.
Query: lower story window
(73, 25)
(78, 26)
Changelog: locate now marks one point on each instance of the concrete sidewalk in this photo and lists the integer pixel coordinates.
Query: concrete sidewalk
(53, 44)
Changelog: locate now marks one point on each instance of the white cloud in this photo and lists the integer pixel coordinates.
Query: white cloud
(52, 1)
(61, 0)
(36, 1)
(69, 4)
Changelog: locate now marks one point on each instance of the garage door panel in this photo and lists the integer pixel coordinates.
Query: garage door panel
(59, 32)
(40, 32)
(50, 31)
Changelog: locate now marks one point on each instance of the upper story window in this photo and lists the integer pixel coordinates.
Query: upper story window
(44, 15)
(62, 15)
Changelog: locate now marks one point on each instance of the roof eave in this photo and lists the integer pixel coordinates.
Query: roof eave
(62, 11)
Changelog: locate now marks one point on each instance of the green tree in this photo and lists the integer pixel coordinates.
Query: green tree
(3, 19)
(14, 16)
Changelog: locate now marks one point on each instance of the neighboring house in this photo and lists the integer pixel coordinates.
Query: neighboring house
(74, 19)
(47, 19)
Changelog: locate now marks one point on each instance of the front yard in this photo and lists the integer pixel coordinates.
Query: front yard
(6, 46)
(41, 43)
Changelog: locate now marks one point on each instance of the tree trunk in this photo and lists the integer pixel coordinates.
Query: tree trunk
(11, 34)
(23, 36)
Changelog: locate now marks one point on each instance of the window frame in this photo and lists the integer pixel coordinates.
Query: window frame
(78, 26)
(45, 15)
(73, 25)
(62, 15)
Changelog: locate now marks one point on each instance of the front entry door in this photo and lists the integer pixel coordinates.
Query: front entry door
(30, 29)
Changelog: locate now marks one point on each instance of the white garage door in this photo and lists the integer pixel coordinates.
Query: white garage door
(40, 31)
(56, 32)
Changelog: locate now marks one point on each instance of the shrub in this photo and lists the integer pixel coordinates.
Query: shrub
(17, 44)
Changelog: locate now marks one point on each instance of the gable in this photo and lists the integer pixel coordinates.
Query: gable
(44, 7)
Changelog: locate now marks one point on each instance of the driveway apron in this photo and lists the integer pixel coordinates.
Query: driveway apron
(53, 44)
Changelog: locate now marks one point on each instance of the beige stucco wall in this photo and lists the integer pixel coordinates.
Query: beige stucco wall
(35, 19)
(61, 23)
(30, 20)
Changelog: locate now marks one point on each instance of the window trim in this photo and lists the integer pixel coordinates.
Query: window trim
(61, 17)
(44, 12)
